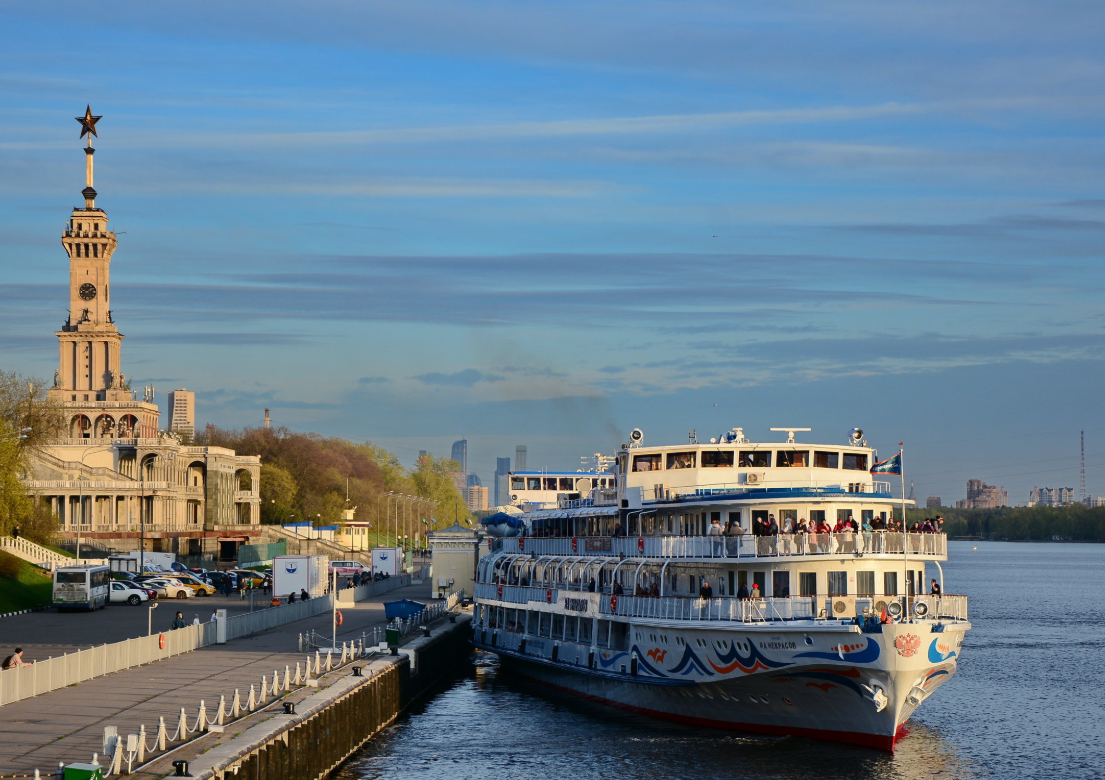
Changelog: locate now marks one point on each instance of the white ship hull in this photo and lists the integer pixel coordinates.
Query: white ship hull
(757, 682)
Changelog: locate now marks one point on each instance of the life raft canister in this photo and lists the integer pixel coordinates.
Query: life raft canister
(500, 591)
(575, 544)
(641, 544)
(548, 596)
(614, 601)
(521, 542)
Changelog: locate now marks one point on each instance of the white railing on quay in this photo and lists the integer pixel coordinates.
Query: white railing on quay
(743, 546)
(73, 668)
(30, 551)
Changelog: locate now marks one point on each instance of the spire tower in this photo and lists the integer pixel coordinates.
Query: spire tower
(89, 369)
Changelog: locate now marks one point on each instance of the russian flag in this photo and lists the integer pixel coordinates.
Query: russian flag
(889, 466)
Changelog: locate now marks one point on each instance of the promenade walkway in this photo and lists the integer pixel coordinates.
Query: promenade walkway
(67, 725)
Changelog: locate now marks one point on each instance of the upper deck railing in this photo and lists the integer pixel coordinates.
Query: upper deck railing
(746, 546)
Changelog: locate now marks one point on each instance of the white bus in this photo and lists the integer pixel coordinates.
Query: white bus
(81, 587)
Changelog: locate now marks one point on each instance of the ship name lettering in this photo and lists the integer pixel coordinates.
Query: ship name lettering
(778, 646)
(576, 605)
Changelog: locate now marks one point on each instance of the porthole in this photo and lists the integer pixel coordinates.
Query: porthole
(808, 640)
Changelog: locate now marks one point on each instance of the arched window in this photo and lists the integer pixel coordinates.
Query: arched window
(105, 426)
(80, 427)
(245, 481)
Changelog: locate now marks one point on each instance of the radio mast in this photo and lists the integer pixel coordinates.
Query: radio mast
(1082, 481)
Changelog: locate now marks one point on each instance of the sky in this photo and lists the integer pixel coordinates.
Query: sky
(549, 223)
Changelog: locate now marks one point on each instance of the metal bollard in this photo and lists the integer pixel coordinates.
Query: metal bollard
(357, 671)
(289, 708)
(181, 768)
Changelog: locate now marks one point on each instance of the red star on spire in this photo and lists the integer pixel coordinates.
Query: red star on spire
(88, 122)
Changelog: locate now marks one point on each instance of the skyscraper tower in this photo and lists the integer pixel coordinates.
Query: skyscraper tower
(520, 458)
(1082, 479)
(460, 454)
(89, 382)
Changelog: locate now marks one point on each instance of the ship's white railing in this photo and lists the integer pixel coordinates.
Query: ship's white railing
(49, 675)
(725, 608)
(745, 546)
(516, 594)
(950, 607)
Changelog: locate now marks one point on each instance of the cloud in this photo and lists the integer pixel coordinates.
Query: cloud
(612, 369)
(224, 339)
(466, 378)
(371, 380)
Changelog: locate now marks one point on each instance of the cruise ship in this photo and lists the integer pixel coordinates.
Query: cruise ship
(683, 591)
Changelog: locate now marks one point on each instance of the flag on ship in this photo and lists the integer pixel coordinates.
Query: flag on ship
(891, 465)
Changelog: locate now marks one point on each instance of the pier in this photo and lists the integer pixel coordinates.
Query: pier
(241, 684)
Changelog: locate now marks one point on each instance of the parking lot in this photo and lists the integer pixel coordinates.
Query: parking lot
(48, 634)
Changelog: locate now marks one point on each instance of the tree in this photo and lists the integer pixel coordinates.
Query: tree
(27, 418)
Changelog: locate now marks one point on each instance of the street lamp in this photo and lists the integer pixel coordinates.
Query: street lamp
(149, 620)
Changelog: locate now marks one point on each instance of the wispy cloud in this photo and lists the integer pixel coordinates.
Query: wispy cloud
(466, 378)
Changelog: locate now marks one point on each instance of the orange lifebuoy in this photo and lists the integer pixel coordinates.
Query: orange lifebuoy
(575, 544)
(548, 596)
(161, 642)
(614, 601)
(500, 591)
(641, 544)
(337, 618)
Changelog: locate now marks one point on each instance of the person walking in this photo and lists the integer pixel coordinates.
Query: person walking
(196, 619)
(178, 621)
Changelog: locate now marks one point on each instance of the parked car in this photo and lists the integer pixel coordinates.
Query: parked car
(198, 586)
(122, 576)
(124, 593)
(348, 568)
(220, 578)
(169, 588)
(255, 576)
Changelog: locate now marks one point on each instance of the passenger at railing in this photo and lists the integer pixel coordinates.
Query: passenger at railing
(742, 592)
(617, 589)
(757, 526)
(800, 532)
(654, 590)
(717, 544)
(755, 594)
(618, 530)
(591, 585)
(705, 591)
(868, 530)
(772, 526)
(934, 588)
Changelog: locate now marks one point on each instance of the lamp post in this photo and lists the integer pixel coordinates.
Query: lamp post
(387, 515)
(149, 619)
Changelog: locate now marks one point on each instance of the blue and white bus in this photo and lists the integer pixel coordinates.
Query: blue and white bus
(81, 587)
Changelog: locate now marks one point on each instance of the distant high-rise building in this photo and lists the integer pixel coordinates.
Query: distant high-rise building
(182, 411)
(933, 502)
(520, 458)
(502, 489)
(460, 481)
(983, 496)
(476, 498)
(1047, 496)
(1095, 501)
(474, 480)
(460, 454)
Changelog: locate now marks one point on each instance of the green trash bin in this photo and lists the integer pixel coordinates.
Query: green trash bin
(392, 636)
(84, 772)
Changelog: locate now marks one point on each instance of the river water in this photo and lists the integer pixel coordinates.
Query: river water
(1028, 701)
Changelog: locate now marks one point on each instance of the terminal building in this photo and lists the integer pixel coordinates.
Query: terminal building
(113, 475)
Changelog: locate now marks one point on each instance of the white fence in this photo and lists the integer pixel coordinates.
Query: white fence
(362, 592)
(50, 675)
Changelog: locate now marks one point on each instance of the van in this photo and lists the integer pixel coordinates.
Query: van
(348, 568)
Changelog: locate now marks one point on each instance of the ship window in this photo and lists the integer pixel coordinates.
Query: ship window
(567, 483)
(714, 460)
(890, 583)
(792, 459)
(855, 461)
(785, 516)
(647, 462)
(842, 515)
(755, 459)
(545, 623)
(838, 583)
(680, 460)
(517, 483)
(826, 460)
(550, 483)
(807, 583)
(817, 516)
(760, 578)
(780, 584)
(865, 583)
(585, 630)
(533, 483)
(558, 626)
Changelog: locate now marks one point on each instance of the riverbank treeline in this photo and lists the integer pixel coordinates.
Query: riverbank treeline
(1075, 522)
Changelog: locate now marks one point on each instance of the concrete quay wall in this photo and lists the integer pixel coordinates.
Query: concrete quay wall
(334, 722)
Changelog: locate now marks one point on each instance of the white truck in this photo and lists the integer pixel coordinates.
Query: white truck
(387, 560)
(297, 573)
(152, 561)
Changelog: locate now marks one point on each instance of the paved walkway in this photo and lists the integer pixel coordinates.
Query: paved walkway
(68, 725)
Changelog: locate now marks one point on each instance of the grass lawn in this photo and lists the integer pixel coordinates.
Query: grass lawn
(31, 588)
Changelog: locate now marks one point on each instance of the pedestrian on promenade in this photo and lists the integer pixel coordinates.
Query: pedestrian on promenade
(196, 619)
(303, 595)
(178, 621)
(15, 659)
(15, 532)
(214, 615)
(291, 597)
(242, 589)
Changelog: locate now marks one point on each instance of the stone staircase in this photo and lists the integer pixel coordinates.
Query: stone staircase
(301, 545)
(33, 553)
